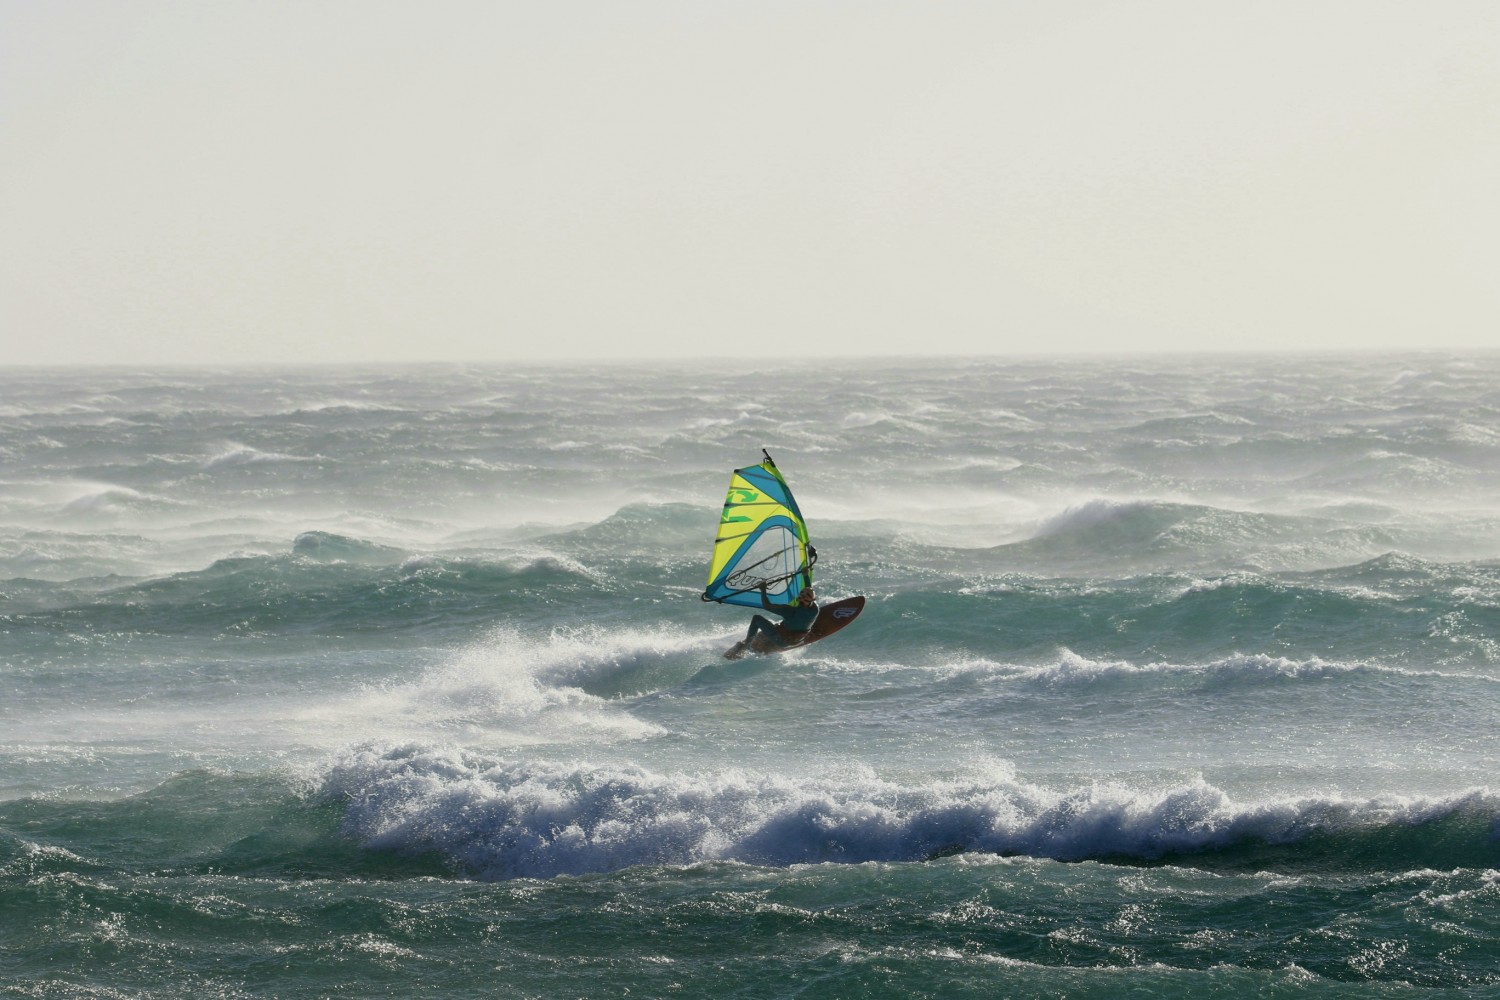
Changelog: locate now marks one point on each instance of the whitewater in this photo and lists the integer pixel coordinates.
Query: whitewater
(1178, 678)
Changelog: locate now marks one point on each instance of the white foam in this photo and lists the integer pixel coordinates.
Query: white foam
(232, 454)
(107, 499)
(347, 405)
(1072, 668)
(504, 819)
(33, 855)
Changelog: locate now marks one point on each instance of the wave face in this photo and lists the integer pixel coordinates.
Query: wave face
(1175, 678)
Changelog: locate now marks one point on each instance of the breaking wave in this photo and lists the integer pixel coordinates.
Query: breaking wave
(501, 819)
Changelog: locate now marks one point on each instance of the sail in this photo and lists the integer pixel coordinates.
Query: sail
(762, 539)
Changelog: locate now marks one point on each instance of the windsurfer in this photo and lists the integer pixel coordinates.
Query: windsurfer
(796, 620)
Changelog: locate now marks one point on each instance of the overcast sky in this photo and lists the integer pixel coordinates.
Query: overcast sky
(319, 180)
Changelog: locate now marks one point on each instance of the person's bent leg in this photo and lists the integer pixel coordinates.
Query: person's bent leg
(761, 625)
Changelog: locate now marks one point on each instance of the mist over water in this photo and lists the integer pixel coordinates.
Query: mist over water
(1177, 676)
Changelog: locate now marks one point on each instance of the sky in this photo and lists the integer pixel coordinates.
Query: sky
(264, 181)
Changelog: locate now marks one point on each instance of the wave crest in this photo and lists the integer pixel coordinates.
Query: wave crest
(502, 819)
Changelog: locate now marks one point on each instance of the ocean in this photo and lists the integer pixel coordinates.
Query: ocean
(1179, 677)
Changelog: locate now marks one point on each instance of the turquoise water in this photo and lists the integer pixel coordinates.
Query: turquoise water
(1178, 678)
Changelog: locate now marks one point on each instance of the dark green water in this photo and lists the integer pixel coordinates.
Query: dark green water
(1175, 680)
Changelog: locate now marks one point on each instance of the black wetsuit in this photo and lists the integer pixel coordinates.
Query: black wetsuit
(795, 621)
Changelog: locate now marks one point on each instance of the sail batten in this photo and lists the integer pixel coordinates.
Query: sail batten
(771, 549)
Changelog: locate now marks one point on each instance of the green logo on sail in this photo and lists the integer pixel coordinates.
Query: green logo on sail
(737, 496)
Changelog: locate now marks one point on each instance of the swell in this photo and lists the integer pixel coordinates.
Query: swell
(1393, 610)
(1137, 536)
(196, 822)
(305, 593)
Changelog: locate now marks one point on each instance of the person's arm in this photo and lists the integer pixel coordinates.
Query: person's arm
(775, 609)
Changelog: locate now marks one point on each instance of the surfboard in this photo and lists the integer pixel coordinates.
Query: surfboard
(831, 618)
